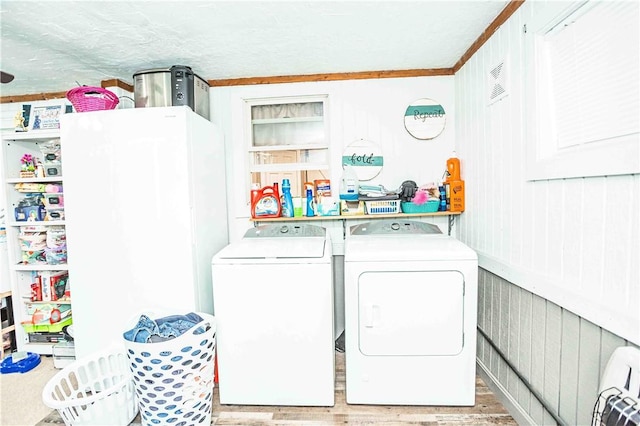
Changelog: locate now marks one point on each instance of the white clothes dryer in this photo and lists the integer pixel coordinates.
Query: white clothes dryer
(273, 303)
(410, 315)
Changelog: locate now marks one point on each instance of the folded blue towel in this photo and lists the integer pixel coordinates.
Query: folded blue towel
(163, 329)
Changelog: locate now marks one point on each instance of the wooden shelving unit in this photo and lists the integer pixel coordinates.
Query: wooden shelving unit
(7, 316)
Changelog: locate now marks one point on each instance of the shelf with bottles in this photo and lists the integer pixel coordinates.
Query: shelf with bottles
(344, 218)
(354, 216)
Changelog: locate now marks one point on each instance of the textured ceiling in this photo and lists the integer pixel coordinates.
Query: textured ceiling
(51, 46)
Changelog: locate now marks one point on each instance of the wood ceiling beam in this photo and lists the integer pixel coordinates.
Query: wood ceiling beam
(506, 13)
(330, 77)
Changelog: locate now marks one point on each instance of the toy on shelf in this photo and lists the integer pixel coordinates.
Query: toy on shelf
(18, 121)
(28, 168)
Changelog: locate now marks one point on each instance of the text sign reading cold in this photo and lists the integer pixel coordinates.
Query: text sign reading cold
(424, 119)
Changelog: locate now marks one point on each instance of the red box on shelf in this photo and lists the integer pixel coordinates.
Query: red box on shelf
(36, 291)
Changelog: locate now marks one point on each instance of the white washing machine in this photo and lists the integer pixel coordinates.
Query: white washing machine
(273, 303)
(410, 315)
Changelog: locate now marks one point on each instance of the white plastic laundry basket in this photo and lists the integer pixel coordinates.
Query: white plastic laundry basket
(174, 379)
(95, 390)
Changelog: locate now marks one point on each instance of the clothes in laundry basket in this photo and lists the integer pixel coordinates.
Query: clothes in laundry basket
(148, 330)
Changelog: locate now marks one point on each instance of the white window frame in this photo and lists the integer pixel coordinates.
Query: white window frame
(250, 149)
(546, 158)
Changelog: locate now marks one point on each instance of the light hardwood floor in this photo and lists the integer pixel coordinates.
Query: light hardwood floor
(487, 411)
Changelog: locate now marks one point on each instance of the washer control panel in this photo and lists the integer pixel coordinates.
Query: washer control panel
(285, 231)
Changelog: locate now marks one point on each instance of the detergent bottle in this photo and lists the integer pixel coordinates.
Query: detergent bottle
(453, 168)
(310, 204)
(287, 201)
(349, 184)
(454, 185)
(266, 203)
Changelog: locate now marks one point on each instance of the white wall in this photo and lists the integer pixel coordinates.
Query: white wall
(575, 242)
(368, 109)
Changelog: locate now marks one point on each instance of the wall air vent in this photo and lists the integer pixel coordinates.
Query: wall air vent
(497, 82)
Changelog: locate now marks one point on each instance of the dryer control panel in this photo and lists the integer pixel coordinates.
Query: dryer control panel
(395, 227)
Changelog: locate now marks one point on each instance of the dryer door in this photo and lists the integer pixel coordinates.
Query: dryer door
(411, 312)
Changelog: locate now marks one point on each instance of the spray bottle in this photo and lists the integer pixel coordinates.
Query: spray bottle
(454, 185)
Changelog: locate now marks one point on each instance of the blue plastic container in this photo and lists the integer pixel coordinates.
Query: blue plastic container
(21, 366)
(428, 207)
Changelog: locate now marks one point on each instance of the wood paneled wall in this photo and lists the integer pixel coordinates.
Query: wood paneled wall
(560, 259)
(559, 353)
(573, 241)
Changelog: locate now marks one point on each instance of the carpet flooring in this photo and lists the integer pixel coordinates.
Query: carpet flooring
(21, 394)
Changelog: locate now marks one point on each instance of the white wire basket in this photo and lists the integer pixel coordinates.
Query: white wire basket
(618, 403)
(382, 207)
(95, 390)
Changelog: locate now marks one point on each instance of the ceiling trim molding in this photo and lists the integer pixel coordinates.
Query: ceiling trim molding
(114, 82)
(331, 77)
(506, 13)
(33, 97)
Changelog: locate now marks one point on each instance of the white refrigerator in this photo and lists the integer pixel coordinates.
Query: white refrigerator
(145, 211)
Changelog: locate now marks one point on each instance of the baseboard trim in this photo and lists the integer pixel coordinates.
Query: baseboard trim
(515, 409)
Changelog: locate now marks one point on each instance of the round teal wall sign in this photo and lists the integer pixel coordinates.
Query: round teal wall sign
(365, 157)
(424, 119)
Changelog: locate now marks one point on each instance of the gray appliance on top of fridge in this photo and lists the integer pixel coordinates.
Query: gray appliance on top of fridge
(174, 86)
(146, 210)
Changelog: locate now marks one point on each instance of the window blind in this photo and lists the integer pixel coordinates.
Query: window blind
(593, 62)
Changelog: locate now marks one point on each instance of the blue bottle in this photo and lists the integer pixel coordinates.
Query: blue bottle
(310, 210)
(287, 201)
(442, 207)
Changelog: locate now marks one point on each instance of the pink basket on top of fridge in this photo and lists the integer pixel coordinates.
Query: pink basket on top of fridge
(90, 98)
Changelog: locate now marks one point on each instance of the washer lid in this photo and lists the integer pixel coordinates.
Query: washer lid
(275, 248)
(278, 242)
